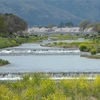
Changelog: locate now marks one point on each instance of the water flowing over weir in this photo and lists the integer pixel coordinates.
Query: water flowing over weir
(24, 51)
(52, 75)
(32, 57)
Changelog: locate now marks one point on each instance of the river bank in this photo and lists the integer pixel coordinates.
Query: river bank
(91, 56)
(11, 42)
(91, 46)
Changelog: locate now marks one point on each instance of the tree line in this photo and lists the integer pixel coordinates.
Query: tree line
(83, 25)
(87, 23)
(10, 23)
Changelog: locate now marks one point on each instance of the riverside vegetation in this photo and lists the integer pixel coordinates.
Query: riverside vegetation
(91, 45)
(41, 87)
(10, 42)
(3, 62)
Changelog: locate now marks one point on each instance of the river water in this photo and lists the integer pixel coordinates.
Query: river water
(48, 63)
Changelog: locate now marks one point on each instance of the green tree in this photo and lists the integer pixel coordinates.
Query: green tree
(61, 25)
(2, 24)
(93, 51)
(83, 24)
(14, 23)
(10, 23)
(69, 24)
(97, 28)
(50, 25)
(82, 47)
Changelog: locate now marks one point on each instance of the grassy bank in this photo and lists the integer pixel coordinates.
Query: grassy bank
(6, 42)
(67, 36)
(11, 42)
(85, 46)
(39, 87)
(91, 56)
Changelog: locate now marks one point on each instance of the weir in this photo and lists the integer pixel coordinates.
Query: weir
(52, 75)
(16, 51)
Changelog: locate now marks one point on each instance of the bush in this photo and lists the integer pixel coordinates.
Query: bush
(93, 51)
(82, 47)
(55, 43)
(60, 43)
(3, 62)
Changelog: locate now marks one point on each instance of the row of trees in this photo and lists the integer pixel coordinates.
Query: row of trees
(61, 24)
(87, 23)
(83, 24)
(10, 23)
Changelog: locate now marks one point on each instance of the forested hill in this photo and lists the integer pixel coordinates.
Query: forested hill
(41, 12)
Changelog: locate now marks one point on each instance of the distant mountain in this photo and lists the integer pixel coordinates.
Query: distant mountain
(42, 12)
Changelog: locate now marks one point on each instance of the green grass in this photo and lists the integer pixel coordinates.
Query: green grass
(6, 42)
(64, 37)
(10, 42)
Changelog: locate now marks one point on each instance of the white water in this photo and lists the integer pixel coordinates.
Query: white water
(45, 51)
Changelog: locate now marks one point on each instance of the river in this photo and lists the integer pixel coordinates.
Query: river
(47, 63)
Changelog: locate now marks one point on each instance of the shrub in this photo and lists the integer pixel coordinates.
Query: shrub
(93, 51)
(55, 43)
(82, 47)
(3, 62)
(60, 43)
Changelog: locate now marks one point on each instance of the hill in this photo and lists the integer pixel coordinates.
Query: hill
(42, 12)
